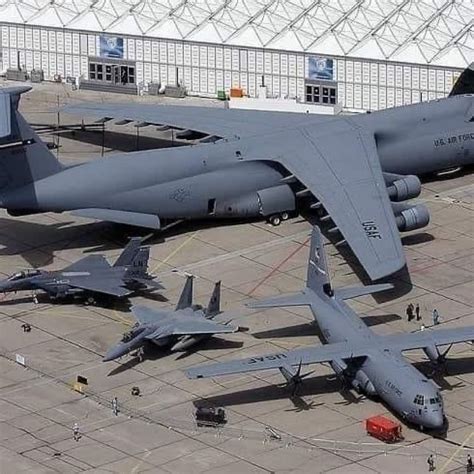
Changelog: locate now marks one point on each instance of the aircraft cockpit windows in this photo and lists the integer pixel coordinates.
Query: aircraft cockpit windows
(419, 400)
(17, 276)
(127, 337)
(23, 274)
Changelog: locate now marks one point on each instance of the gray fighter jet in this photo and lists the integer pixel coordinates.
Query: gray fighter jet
(359, 171)
(180, 329)
(90, 275)
(370, 363)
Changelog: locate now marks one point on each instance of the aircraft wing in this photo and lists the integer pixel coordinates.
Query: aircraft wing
(89, 263)
(189, 328)
(339, 165)
(200, 326)
(106, 286)
(430, 337)
(220, 122)
(305, 356)
(146, 315)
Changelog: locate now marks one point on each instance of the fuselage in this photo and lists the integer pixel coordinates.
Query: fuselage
(225, 180)
(60, 284)
(156, 333)
(384, 372)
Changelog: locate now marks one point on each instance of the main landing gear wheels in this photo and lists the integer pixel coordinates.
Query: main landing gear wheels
(276, 219)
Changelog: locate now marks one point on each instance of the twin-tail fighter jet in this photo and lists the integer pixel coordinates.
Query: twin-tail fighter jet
(359, 171)
(179, 330)
(371, 364)
(91, 276)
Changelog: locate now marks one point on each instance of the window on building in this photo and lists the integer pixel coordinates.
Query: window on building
(92, 71)
(318, 94)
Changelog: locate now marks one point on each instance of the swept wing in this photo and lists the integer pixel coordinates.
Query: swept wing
(106, 286)
(215, 121)
(336, 161)
(178, 324)
(340, 167)
(87, 264)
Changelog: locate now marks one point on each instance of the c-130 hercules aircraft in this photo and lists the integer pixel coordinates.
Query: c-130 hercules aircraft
(359, 169)
(370, 363)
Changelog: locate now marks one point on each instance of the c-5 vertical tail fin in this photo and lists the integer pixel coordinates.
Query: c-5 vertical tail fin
(465, 82)
(186, 298)
(24, 158)
(214, 305)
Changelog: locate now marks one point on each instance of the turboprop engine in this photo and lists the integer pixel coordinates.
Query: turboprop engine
(358, 380)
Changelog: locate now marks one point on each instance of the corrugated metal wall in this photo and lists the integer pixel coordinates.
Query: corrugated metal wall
(205, 69)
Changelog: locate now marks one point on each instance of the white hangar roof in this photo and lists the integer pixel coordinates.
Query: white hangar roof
(438, 32)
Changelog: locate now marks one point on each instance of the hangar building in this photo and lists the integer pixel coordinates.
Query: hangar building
(362, 54)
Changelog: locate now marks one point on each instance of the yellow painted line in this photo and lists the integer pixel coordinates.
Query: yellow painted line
(175, 251)
(461, 446)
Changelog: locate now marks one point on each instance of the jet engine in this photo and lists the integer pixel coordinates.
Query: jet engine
(411, 217)
(404, 188)
(265, 202)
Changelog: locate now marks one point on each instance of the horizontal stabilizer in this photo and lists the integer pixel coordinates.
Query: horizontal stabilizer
(350, 292)
(293, 299)
(149, 221)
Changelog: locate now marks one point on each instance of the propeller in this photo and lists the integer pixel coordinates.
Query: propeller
(436, 357)
(442, 356)
(297, 379)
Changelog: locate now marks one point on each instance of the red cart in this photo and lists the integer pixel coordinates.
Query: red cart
(384, 429)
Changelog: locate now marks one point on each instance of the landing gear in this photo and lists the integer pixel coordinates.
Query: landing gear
(89, 301)
(275, 220)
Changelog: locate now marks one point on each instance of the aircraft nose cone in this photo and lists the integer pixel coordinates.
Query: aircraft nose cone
(114, 353)
(435, 420)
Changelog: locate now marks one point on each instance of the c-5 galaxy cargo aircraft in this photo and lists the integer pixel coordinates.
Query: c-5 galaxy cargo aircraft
(180, 329)
(370, 363)
(90, 275)
(359, 170)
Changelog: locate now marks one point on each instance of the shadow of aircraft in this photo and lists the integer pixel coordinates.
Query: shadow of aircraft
(311, 328)
(118, 142)
(94, 237)
(213, 343)
(154, 352)
(315, 385)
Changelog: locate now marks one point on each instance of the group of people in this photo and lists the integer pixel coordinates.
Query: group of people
(115, 410)
(414, 312)
(432, 467)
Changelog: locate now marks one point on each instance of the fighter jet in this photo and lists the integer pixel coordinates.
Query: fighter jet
(371, 364)
(90, 275)
(358, 171)
(180, 329)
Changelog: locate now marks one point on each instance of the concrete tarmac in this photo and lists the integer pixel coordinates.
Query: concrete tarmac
(322, 431)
